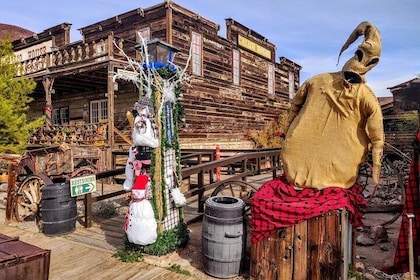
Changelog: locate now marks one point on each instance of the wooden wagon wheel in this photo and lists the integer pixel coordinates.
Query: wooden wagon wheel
(28, 197)
(239, 189)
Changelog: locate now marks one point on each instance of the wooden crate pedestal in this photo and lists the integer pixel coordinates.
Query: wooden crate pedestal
(316, 249)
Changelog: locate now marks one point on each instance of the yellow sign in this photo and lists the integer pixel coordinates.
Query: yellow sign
(254, 47)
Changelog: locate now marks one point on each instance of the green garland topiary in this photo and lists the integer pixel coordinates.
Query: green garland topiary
(166, 242)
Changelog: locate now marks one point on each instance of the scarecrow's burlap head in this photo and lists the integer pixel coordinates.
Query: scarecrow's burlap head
(367, 54)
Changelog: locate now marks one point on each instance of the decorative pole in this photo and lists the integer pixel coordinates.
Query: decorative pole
(153, 172)
(157, 177)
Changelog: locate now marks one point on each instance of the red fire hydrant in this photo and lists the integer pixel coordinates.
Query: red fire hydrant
(218, 169)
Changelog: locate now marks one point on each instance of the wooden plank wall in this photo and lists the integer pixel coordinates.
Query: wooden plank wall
(216, 109)
(60, 34)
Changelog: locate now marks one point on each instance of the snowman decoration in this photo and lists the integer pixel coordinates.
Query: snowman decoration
(140, 223)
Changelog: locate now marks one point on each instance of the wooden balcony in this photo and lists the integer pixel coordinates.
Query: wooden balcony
(77, 53)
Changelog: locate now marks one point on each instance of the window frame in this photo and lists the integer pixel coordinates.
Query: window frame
(143, 31)
(236, 67)
(271, 78)
(99, 113)
(60, 116)
(291, 84)
(196, 54)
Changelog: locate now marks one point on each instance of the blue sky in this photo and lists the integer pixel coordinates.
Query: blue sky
(309, 32)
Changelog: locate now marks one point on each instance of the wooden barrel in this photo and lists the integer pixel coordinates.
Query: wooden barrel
(58, 209)
(320, 248)
(223, 237)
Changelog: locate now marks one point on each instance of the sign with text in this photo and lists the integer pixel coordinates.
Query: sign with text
(83, 185)
(254, 47)
(33, 51)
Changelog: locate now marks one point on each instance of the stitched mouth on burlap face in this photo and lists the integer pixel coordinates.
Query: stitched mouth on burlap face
(352, 77)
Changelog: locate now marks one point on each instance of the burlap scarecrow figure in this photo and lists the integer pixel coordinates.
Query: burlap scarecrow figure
(335, 119)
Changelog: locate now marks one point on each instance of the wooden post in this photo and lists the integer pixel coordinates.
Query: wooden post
(88, 210)
(169, 21)
(159, 154)
(48, 82)
(11, 182)
(111, 98)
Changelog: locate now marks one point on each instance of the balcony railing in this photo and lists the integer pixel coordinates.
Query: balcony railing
(75, 133)
(76, 53)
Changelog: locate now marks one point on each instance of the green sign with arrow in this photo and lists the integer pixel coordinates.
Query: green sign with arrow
(83, 185)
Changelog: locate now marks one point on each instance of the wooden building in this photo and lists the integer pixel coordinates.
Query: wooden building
(401, 118)
(235, 83)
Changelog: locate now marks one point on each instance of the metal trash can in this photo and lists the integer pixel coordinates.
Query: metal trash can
(58, 209)
(223, 236)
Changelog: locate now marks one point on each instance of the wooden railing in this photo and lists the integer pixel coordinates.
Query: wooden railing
(199, 166)
(76, 133)
(200, 177)
(76, 53)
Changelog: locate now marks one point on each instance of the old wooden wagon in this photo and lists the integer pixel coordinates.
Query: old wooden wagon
(47, 165)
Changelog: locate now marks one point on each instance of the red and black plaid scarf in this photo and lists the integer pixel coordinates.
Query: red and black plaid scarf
(411, 206)
(277, 204)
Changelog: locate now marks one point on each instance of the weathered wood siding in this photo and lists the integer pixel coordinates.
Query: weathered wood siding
(217, 111)
(59, 34)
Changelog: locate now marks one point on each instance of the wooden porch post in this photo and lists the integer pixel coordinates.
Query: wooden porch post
(11, 182)
(48, 82)
(111, 95)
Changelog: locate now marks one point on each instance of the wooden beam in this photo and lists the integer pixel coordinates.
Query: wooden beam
(111, 115)
(11, 182)
(169, 21)
(48, 82)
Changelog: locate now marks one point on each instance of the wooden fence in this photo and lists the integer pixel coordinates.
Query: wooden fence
(198, 170)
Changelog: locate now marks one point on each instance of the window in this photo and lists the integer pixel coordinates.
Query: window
(236, 67)
(100, 47)
(144, 33)
(60, 116)
(270, 78)
(291, 85)
(196, 54)
(98, 110)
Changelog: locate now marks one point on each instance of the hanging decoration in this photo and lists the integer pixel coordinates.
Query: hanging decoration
(155, 154)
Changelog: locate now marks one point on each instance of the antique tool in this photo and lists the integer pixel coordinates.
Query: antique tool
(410, 245)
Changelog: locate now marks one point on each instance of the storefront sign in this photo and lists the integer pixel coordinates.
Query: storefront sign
(33, 51)
(127, 75)
(254, 47)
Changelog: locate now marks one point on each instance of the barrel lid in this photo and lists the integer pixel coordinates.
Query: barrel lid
(225, 202)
